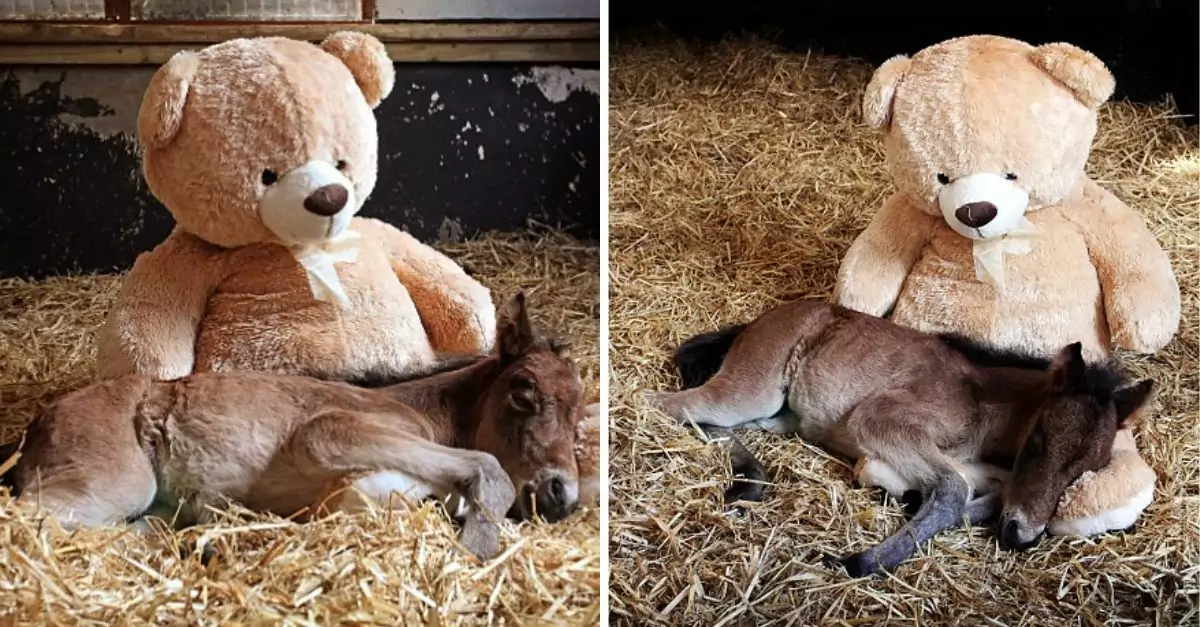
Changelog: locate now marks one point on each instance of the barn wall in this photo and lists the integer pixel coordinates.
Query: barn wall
(464, 149)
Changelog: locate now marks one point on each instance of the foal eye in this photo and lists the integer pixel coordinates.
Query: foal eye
(943, 179)
(523, 401)
(1010, 176)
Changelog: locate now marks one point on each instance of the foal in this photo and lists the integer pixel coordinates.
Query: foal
(110, 452)
(918, 412)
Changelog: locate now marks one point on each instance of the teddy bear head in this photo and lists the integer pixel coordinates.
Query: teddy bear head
(982, 129)
(265, 140)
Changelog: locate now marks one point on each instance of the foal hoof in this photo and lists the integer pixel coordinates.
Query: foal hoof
(207, 554)
(857, 565)
(743, 492)
(911, 500)
(482, 539)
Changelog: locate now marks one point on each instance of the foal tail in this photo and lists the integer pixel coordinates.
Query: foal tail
(699, 358)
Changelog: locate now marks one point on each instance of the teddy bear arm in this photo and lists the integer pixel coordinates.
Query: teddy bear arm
(1141, 293)
(876, 265)
(1109, 499)
(456, 310)
(151, 327)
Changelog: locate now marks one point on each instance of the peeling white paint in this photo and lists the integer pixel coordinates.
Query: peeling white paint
(558, 83)
(481, 152)
(451, 230)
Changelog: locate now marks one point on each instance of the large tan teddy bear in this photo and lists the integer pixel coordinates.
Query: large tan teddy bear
(996, 232)
(264, 150)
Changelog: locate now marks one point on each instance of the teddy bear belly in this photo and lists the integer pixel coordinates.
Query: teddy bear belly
(377, 331)
(1051, 297)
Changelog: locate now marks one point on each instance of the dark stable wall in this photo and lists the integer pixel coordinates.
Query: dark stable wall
(1151, 46)
(463, 149)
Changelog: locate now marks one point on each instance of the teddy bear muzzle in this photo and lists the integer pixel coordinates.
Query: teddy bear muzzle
(309, 204)
(982, 206)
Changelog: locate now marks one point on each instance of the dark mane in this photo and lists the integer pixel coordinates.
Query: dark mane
(1101, 379)
(988, 356)
(443, 365)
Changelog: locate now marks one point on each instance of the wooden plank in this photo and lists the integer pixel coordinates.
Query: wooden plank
(489, 9)
(410, 52)
(207, 33)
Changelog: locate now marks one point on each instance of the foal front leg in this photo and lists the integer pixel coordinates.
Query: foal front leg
(942, 508)
(350, 442)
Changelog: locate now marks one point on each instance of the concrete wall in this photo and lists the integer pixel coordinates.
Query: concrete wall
(464, 148)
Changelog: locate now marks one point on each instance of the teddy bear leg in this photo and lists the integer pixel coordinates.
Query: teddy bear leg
(1111, 499)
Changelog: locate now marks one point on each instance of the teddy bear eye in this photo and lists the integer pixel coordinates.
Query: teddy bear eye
(1010, 176)
(943, 179)
(269, 177)
(341, 164)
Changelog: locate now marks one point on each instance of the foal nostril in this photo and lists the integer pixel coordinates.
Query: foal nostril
(327, 200)
(976, 214)
(558, 492)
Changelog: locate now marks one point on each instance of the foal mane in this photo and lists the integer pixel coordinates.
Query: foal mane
(1101, 378)
(444, 365)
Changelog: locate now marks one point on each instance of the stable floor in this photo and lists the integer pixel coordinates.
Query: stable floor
(739, 176)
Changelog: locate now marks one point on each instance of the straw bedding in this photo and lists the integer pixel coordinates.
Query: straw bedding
(373, 569)
(739, 175)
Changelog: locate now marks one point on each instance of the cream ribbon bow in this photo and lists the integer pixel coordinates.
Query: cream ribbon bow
(989, 253)
(318, 262)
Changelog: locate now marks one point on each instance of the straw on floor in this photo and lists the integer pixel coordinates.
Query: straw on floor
(739, 174)
(365, 570)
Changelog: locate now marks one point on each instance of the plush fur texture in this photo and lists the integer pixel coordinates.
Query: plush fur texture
(993, 105)
(225, 132)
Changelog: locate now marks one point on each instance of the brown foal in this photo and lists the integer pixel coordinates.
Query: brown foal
(485, 429)
(975, 431)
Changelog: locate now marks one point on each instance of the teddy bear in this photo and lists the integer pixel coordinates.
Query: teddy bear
(996, 232)
(264, 150)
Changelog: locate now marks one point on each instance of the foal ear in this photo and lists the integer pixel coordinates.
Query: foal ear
(1068, 368)
(1130, 399)
(514, 332)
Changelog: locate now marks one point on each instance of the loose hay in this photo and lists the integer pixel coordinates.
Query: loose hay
(739, 175)
(373, 569)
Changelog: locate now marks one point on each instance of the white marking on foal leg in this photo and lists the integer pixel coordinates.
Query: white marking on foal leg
(984, 478)
(394, 489)
(872, 473)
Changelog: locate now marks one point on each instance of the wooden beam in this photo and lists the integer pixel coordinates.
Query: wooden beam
(410, 52)
(210, 33)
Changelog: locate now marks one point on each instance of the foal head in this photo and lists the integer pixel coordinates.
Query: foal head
(1070, 433)
(528, 416)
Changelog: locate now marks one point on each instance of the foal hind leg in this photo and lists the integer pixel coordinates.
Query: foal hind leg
(749, 387)
(351, 443)
(109, 481)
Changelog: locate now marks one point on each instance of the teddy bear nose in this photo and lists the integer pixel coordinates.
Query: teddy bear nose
(976, 214)
(328, 200)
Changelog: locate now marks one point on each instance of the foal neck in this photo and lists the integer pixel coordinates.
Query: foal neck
(1007, 400)
(449, 399)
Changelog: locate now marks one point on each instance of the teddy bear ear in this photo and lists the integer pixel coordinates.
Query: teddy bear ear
(368, 61)
(1082, 73)
(161, 112)
(881, 91)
